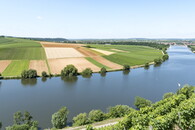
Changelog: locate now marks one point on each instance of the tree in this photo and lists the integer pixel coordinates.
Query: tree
(69, 70)
(29, 74)
(44, 74)
(146, 65)
(165, 57)
(0, 125)
(23, 122)
(80, 119)
(103, 70)
(95, 116)
(157, 61)
(87, 72)
(119, 111)
(141, 102)
(59, 119)
(167, 95)
(126, 67)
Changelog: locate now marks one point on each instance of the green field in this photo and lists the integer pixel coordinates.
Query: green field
(133, 55)
(15, 68)
(96, 63)
(20, 49)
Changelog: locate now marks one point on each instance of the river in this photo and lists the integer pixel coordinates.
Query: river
(43, 97)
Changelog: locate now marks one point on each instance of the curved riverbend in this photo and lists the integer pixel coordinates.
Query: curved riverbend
(43, 97)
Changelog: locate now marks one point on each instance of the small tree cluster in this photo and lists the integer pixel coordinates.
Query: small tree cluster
(29, 74)
(87, 72)
(141, 102)
(126, 67)
(157, 61)
(165, 57)
(44, 74)
(69, 70)
(23, 122)
(146, 65)
(103, 70)
(59, 119)
(119, 111)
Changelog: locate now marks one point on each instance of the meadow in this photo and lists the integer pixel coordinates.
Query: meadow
(20, 49)
(130, 54)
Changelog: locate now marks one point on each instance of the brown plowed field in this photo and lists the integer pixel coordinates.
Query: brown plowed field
(39, 65)
(67, 45)
(86, 52)
(4, 64)
(107, 62)
(56, 65)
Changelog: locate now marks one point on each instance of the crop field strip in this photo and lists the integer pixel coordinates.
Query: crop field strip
(97, 63)
(16, 67)
(4, 64)
(39, 65)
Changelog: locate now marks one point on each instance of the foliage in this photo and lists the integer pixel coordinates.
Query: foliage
(29, 74)
(165, 57)
(146, 65)
(89, 127)
(141, 102)
(0, 125)
(69, 70)
(167, 95)
(96, 115)
(44, 74)
(157, 61)
(119, 111)
(23, 122)
(80, 119)
(126, 67)
(87, 72)
(59, 118)
(103, 70)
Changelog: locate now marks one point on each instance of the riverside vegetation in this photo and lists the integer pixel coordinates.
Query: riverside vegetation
(175, 110)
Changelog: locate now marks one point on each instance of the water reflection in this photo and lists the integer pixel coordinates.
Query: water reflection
(43, 79)
(30, 82)
(103, 74)
(71, 79)
(126, 72)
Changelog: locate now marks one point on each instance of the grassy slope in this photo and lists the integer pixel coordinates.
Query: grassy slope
(20, 49)
(96, 63)
(16, 67)
(134, 55)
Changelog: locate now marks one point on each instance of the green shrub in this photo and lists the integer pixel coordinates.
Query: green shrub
(87, 72)
(157, 61)
(95, 116)
(146, 65)
(126, 67)
(59, 119)
(29, 74)
(167, 95)
(165, 57)
(80, 119)
(103, 70)
(141, 102)
(69, 70)
(44, 74)
(119, 111)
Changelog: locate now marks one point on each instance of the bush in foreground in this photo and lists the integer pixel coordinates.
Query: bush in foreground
(126, 67)
(29, 74)
(23, 122)
(167, 95)
(59, 119)
(69, 70)
(141, 102)
(80, 119)
(95, 116)
(118, 111)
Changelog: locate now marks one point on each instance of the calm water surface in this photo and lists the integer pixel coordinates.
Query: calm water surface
(44, 97)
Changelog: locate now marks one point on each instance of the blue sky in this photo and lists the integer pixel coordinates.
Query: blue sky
(98, 18)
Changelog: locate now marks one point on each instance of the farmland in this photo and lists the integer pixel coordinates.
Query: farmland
(17, 55)
(130, 54)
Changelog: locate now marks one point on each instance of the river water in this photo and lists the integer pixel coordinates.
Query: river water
(43, 97)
